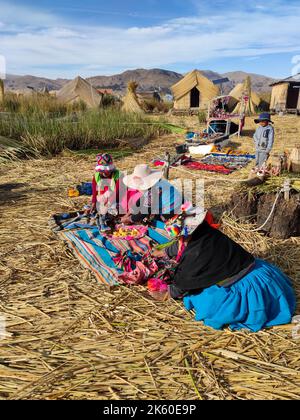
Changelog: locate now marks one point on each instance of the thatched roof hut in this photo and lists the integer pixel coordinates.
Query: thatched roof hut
(286, 94)
(194, 91)
(80, 90)
(130, 101)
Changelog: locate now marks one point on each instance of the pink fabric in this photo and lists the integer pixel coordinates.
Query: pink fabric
(157, 285)
(129, 200)
(143, 271)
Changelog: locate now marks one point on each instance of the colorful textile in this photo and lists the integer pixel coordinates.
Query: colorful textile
(199, 166)
(232, 162)
(142, 271)
(220, 163)
(86, 188)
(235, 155)
(104, 163)
(263, 298)
(96, 252)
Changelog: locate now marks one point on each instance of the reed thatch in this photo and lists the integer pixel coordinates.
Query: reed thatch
(242, 91)
(70, 338)
(130, 101)
(1, 91)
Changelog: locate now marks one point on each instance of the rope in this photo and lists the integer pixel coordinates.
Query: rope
(266, 222)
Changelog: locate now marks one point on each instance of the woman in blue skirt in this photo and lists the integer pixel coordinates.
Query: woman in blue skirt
(222, 282)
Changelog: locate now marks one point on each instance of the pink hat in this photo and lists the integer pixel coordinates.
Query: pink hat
(143, 178)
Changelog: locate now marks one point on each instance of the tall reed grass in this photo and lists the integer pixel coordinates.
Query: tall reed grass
(49, 135)
(37, 103)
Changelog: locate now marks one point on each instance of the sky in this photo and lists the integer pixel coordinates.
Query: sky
(63, 39)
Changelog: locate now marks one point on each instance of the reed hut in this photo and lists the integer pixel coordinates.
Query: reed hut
(130, 101)
(194, 91)
(79, 90)
(286, 95)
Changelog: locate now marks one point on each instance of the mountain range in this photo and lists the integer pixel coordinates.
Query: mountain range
(148, 80)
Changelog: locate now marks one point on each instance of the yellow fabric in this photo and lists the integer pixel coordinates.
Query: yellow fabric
(207, 89)
(279, 96)
(79, 90)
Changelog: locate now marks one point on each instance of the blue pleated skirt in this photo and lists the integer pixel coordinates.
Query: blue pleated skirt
(263, 298)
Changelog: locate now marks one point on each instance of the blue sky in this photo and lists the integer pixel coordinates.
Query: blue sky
(61, 38)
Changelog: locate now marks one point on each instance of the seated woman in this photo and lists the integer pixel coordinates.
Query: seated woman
(158, 198)
(222, 282)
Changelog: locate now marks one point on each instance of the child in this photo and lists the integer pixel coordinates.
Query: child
(106, 186)
(264, 139)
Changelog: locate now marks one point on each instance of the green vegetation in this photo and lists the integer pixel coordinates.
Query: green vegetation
(115, 153)
(202, 116)
(46, 127)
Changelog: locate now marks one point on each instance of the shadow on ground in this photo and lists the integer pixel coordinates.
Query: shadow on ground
(9, 192)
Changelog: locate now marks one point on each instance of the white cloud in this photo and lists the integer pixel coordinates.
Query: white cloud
(40, 43)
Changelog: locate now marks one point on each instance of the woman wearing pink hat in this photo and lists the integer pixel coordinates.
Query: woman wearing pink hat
(158, 197)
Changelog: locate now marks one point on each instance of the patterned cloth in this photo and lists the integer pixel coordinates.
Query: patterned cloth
(96, 252)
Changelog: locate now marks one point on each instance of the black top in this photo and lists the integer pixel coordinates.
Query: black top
(209, 259)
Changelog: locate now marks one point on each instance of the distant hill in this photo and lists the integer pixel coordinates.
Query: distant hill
(17, 83)
(149, 80)
(259, 83)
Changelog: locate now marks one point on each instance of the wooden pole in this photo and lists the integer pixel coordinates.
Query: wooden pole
(167, 167)
(287, 189)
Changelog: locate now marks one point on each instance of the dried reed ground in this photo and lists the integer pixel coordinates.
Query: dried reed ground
(71, 338)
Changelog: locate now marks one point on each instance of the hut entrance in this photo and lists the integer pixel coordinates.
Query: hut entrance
(195, 98)
(293, 96)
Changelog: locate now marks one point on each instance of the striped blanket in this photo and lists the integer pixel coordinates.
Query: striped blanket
(96, 252)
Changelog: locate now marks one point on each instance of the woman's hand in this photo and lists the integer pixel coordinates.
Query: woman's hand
(158, 254)
(126, 220)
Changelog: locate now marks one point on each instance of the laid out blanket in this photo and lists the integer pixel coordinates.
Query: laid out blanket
(199, 166)
(220, 163)
(232, 162)
(95, 251)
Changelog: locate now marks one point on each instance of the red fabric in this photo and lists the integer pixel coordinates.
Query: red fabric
(210, 168)
(210, 220)
(95, 192)
(159, 163)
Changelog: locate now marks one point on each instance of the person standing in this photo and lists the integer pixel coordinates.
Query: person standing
(264, 139)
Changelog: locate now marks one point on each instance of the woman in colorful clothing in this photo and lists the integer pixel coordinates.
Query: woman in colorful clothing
(222, 282)
(158, 199)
